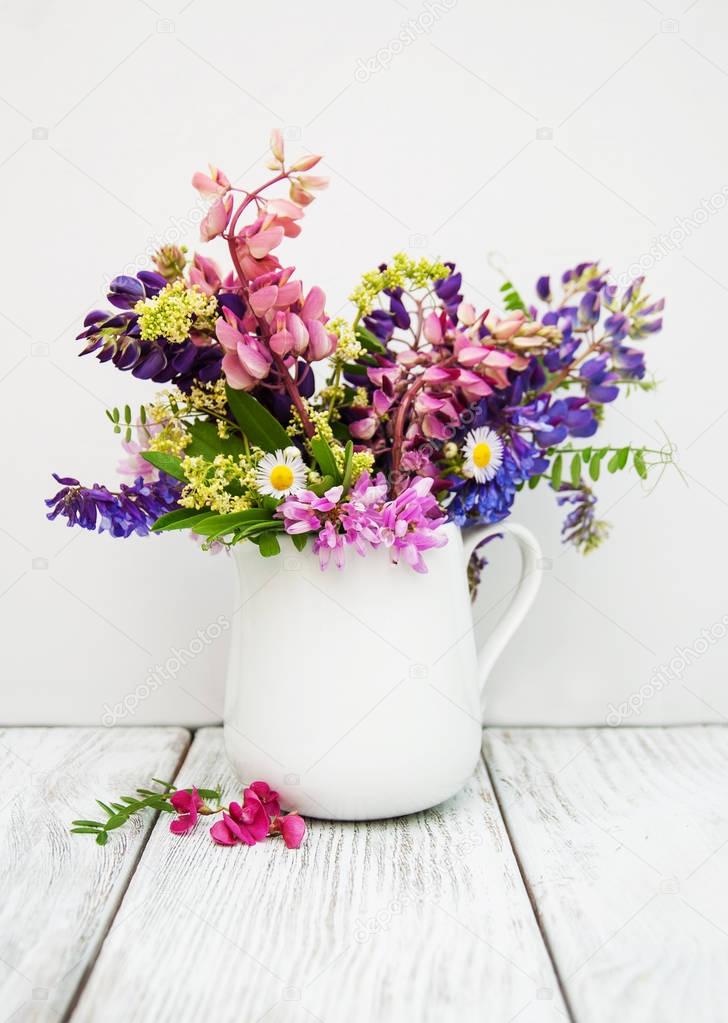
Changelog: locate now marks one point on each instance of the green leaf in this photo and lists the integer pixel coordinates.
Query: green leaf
(556, 472)
(534, 482)
(368, 340)
(259, 426)
(108, 809)
(85, 831)
(325, 458)
(586, 454)
(299, 540)
(322, 486)
(623, 455)
(219, 525)
(182, 518)
(102, 838)
(348, 466)
(595, 467)
(576, 469)
(269, 545)
(207, 442)
(143, 415)
(613, 463)
(209, 793)
(116, 821)
(639, 464)
(127, 415)
(167, 463)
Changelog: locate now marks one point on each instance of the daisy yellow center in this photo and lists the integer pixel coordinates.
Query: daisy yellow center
(281, 477)
(482, 455)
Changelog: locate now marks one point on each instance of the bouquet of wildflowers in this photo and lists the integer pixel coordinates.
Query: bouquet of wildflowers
(423, 409)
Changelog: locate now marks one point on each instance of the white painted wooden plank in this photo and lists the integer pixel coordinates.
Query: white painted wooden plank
(423, 918)
(623, 840)
(60, 891)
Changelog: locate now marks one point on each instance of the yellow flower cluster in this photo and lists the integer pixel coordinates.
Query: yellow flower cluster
(209, 397)
(174, 312)
(348, 349)
(209, 483)
(361, 461)
(402, 272)
(361, 398)
(172, 439)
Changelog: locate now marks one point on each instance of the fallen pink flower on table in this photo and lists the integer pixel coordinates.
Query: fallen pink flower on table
(292, 828)
(187, 805)
(247, 824)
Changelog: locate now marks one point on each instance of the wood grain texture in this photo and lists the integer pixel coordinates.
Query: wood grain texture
(59, 890)
(423, 918)
(623, 840)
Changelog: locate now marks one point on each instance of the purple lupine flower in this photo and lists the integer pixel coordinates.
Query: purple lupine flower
(599, 380)
(543, 288)
(447, 290)
(116, 338)
(589, 308)
(132, 509)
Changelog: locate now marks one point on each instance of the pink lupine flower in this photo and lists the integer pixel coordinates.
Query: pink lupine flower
(246, 361)
(292, 828)
(216, 219)
(276, 145)
(205, 274)
(432, 328)
(305, 163)
(212, 185)
(505, 329)
(247, 824)
(274, 291)
(187, 805)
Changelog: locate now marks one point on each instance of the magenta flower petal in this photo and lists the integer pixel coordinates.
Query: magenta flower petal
(186, 804)
(221, 834)
(268, 797)
(293, 829)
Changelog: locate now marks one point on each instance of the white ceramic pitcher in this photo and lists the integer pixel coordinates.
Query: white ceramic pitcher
(357, 693)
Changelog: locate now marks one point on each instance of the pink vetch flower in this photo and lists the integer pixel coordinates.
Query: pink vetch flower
(247, 824)
(292, 829)
(187, 805)
(409, 524)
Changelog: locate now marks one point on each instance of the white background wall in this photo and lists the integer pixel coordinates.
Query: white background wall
(546, 132)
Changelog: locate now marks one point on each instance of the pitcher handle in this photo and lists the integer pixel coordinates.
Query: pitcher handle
(523, 597)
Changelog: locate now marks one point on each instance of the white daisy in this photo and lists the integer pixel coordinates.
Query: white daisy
(483, 454)
(280, 473)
